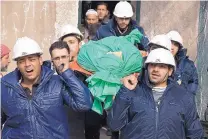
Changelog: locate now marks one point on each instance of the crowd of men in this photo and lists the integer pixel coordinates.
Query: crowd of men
(40, 99)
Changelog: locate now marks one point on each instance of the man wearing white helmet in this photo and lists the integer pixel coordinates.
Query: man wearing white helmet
(33, 98)
(92, 121)
(160, 41)
(73, 37)
(186, 73)
(122, 25)
(157, 107)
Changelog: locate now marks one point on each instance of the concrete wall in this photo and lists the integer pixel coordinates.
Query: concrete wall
(39, 20)
(158, 17)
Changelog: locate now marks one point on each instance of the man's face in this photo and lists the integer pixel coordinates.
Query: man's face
(73, 44)
(30, 67)
(5, 60)
(122, 22)
(91, 19)
(174, 48)
(102, 11)
(60, 56)
(158, 74)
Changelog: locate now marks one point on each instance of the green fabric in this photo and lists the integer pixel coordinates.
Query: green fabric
(109, 69)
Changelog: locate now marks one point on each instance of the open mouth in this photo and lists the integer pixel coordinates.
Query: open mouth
(29, 71)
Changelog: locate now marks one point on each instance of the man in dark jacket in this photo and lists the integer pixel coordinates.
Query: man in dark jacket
(186, 72)
(92, 120)
(103, 13)
(33, 97)
(157, 108)
(122, 25)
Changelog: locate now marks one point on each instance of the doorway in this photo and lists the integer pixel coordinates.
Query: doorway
(93, 4)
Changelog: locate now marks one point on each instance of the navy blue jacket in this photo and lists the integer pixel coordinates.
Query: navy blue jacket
(43, 116)
(186, 72)
(109, 30)
(137, 115)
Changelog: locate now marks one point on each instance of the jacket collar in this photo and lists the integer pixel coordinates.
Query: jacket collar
(105, 20)
(13, 77)
(182, 54)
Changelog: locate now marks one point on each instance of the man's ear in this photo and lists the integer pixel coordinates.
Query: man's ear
(107, 12)
(116, 18)
(170, 72)
(80, 44)
(41, 60)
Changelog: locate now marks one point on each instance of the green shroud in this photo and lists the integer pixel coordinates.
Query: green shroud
(109, 68)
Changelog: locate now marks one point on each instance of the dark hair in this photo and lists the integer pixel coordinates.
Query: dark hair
(177, 44)
(59, 45)
(153, 46)
(102, 3)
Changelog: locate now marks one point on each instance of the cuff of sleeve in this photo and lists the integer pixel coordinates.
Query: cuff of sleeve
(126, 93)
(67, 74)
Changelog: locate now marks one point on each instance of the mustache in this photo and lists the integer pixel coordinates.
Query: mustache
(155, 73)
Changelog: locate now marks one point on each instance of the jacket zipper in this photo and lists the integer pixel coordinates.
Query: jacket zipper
(157, 115)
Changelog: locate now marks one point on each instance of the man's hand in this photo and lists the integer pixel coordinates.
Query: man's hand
(130, 81)
(62, 67)
(143, 53)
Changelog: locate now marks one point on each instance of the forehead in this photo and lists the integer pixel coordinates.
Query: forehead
(92, 16)
(158, 64)
(6, 56)
(28, 57)
(70, 38)
(101, 7)
(59, 52)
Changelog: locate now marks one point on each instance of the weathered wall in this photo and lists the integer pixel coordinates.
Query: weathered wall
(202, 59)
(66, 13)
(39, 20)
(158, 17)
(189, 18)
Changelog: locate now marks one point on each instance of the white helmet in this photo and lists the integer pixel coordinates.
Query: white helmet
(162, 56)
(123, 9)
(25, 46)
(69, 29)
(161, 40)
(175, 36)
